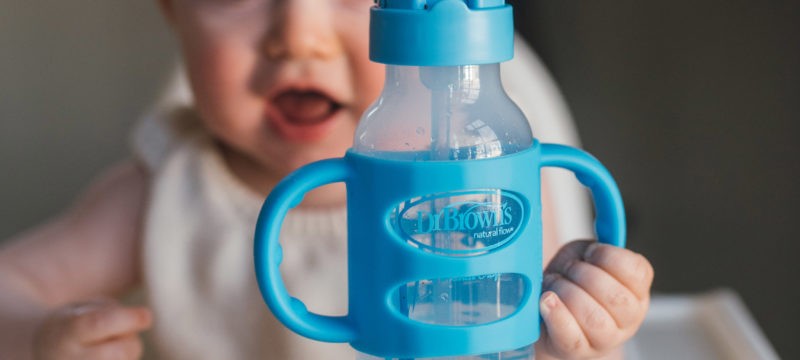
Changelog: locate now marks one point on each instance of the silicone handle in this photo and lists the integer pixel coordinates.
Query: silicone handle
(291, 311)
(610, 213)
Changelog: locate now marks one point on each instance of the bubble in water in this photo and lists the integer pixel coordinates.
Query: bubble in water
(444, 297)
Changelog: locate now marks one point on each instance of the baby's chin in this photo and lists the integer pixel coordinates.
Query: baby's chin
(267, 154)
(290, 161)
(262, 170)
(280, 158)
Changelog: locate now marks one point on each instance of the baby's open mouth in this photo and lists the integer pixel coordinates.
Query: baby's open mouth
(305, 107)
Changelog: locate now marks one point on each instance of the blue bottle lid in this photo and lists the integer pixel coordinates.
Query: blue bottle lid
(441, 32)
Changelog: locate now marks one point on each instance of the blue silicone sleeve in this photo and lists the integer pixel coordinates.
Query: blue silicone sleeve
(380, 261)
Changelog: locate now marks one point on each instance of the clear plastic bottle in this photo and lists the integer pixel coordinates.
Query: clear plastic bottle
(441, 162)
(450, 113)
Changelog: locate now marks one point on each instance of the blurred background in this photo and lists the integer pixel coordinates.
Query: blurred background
(693, 105)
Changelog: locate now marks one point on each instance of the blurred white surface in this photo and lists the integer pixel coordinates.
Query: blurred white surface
(709, 326)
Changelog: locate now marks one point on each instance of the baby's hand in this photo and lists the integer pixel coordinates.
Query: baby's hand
(101, 329)
(595, 298)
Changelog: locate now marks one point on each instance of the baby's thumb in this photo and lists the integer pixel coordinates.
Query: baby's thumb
(110, 320)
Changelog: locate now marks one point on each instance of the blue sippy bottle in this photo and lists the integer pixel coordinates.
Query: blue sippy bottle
(443, 197)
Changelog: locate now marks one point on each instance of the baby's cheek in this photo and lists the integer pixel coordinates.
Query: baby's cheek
(367, 76)
(220, 77)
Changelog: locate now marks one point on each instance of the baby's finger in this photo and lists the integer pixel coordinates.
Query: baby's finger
(567, 254)
(125, 348)
(77, 309)
(596, 323)
(631, 269)
(563, 335)
(109, 322)
(624, 307)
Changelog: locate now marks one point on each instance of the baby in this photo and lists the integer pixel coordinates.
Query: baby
(276, 84)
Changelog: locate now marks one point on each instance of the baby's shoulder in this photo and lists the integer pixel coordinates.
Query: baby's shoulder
(115, 196)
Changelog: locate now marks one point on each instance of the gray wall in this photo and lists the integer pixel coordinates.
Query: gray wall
(73, 76)
(693, 105)
(695, 108)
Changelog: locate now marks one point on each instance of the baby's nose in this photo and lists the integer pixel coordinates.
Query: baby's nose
(302, 29)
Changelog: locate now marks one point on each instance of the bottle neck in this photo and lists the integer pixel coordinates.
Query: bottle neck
(442, 113)
(463, 81)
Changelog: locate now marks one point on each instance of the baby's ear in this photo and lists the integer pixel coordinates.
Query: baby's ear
(167, 9)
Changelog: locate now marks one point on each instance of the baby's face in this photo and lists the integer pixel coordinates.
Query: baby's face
(282, 82)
